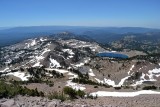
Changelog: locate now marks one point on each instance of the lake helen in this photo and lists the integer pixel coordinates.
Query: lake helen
(112, 55)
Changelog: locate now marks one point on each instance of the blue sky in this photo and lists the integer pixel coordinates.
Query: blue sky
(119, 13)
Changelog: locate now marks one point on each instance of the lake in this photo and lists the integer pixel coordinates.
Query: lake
(112, 55)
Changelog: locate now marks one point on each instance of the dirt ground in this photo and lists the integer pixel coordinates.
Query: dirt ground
(139, 101)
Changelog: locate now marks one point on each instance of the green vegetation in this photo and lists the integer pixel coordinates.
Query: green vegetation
(141, 42)
(73, 93)
(150, 87)
(117, 88)
(135, 76)
(78, 55)
(80, 75)
(10, 90)
(84, 79)
(89, 96)
(66, 94)
(38, 73)
(87, 81)
(38, 76)
(32, 80)
(57, 95)
(154, 58)
(96, 86)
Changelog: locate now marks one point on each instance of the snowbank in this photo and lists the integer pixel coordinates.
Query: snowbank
(20, 75)
(58, 70)
(79, 65)
(5, 70)
(73, 75)
(91, 73)
(43, 39)
(45, 50)
(54, 63)
(33, 43)
(38, 64)
(111, 82)
(69, 51)
(123, 94)
(130, 69)
(39, 58)
(75, 85)
(151, 74)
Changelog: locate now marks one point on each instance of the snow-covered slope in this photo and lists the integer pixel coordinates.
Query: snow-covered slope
(70, 56)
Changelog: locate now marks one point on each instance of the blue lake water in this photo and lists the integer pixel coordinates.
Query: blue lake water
(112, 55)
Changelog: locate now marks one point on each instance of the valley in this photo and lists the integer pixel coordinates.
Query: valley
(51, 63)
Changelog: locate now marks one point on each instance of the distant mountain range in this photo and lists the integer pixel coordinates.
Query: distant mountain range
(76, 29)
(101, 34)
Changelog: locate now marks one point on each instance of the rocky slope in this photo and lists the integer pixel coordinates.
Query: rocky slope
(140, 101)
(61, 58)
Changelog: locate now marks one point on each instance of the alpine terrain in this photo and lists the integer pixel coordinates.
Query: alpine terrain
(71, 70)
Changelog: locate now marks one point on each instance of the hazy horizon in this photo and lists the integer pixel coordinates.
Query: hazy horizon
(10, 27)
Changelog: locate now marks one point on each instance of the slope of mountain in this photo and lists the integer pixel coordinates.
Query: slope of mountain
(147, 42)
(100, 34)
(66, 59)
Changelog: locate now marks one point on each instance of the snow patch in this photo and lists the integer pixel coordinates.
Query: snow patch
(37, 65)
(42, 39)
(33, 43)
(113, 51)
(69, 51)
(123, 80)
(5, 70)
(98, 80)
(151, 74)
(91, 73)
(48, 74)
(75, 85)
(154, 71)
(123, 94)
(57, 70)
(71, 74)
(39, 58)
(54, 63)
(8, 61)
(130, 69)
(21, 75)
(79, 65)
(45, 50)
(111, 82)
(86, 60)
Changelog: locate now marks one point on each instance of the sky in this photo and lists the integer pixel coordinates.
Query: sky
(108, 13)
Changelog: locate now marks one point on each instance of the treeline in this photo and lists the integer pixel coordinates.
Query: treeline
(38, 73)
(150, 87)
(84, 79)
(154, 58)
(10, 90)
(69, 93)
(32, 80)
(80, 75)
(87, 81)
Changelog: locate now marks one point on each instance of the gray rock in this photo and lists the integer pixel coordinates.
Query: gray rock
(53, 104)
(8, 103)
